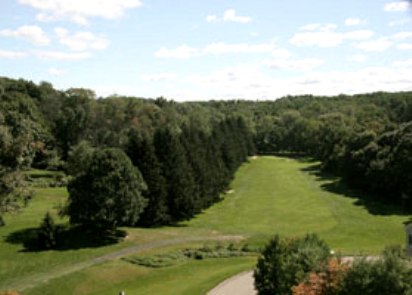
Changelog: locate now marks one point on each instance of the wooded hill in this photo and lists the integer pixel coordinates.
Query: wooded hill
(187, 153)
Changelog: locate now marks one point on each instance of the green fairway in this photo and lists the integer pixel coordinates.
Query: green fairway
(270, 195)
(282, 195)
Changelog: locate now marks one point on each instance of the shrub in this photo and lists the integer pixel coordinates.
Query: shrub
(285, 263)
(326, 282)
(46, 236)
(387, 275)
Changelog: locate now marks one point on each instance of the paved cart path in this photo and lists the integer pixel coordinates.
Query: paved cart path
(240, 284)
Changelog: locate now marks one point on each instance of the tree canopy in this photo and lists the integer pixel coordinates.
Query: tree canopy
(108, 193)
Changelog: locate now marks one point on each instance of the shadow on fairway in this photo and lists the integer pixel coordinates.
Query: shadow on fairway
(68, 238)
(334, 184)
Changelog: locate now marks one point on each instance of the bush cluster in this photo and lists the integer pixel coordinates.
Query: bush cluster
(304, 266)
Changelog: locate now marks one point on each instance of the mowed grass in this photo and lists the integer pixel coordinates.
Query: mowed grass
(270, 195)
(194, 277)
(286, 196)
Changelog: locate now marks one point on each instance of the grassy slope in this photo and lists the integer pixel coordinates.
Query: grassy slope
(281, 195)
(271, 195)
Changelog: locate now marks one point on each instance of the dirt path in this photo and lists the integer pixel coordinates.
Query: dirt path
(37, 279)
(240, 284)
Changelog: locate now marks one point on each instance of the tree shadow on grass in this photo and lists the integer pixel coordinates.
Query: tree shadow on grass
(68, 238)
(335, 184)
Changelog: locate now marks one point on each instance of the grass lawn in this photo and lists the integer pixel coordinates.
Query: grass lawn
(290, 197)
(270, 195)
(195, 277)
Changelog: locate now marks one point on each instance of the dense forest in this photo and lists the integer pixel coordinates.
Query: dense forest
(180, 157)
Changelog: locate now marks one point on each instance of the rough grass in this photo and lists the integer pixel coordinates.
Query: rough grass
(270, 195)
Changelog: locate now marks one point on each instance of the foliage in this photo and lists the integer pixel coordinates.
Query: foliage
(388, 275)
(79, 158)
(47, 234)
(364, 138)
(326, 282)
(174, 258)
(14, 191)
(285, 263)
(108, 193)
(158, 261)
(142, 154)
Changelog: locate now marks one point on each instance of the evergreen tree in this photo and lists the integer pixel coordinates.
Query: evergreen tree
(141, 151)
(178, 174)
(47, 235)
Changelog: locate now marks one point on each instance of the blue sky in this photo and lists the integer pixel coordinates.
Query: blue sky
(214, 49)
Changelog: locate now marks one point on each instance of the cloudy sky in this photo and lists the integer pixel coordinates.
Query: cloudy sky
(214, 49)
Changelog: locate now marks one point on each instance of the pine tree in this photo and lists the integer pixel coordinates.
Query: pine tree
(47, 233)
(178, 174)
(141, 151)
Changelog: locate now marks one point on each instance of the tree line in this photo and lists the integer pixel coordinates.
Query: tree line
(131, 161)
(187, 153)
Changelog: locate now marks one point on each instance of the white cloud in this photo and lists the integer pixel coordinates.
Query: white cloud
(184, 51)
(251, 82)
(320, 39)
(241, 81)
(318, 27)
(326, 36)
(79, 11)
(407, 64)
(254, 81)
(358, 35)
(353, 21)
(295, 64)
(12, 54)
(400, 22)
(211, 18)
(181, 52)
(378, 45)
(159, 77)
(402, 35)
(223, 48)
(397, 6)
(33, 34)
(55, 72)
(403, 63)
(357, 58)
(81, 41)
(231, 16)
(63, 56)
(405, 46)
(281, 53)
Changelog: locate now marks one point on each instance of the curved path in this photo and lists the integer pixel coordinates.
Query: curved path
(240, 284)
(34, 280)
(243, 283)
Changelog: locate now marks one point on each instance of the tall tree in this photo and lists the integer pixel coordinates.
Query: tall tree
(141, 151)
(108, 193)
(178, 174)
